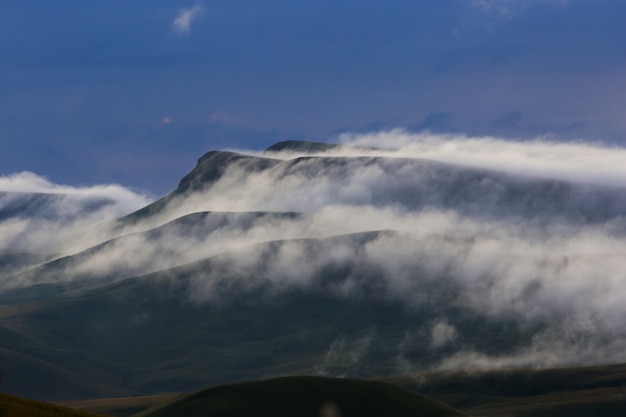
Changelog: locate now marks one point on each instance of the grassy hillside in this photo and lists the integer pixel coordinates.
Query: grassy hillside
(304, 397)
(11, 406)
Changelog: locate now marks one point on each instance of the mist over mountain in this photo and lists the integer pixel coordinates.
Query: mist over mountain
(37, 215)
(387, 253)
(48, 206)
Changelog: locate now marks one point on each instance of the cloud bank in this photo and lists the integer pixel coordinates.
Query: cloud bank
(541, 157)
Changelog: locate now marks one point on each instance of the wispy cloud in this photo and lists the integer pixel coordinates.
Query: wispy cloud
(508, 9)
(182, 23)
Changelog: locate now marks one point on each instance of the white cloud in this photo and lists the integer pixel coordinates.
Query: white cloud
(182, 23)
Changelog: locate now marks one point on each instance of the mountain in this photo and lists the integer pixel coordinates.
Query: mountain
(313, 259)
(413, 183)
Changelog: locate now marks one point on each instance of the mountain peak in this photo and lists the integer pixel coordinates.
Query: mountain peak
(211, 166)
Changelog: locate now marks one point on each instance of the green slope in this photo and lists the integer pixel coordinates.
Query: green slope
(304, 397)
(11, 406)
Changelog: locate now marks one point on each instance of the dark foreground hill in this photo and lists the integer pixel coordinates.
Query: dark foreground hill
(11, 406)
(556, 392)
(304, 397)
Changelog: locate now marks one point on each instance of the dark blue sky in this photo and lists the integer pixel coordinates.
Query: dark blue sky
(115, 91)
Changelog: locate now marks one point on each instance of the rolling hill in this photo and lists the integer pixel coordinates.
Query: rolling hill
(304, 396)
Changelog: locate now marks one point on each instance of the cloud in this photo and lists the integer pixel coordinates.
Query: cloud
(503, 8)
(182, 23)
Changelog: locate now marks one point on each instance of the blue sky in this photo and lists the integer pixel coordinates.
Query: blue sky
(134, 91)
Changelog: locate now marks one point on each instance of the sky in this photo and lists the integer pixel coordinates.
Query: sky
(133, 92)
